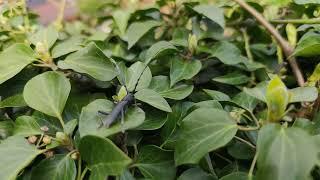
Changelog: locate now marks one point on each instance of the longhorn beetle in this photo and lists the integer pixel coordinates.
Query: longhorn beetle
(121, 105)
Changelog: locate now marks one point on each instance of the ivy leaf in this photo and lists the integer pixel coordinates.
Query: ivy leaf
(48, 93)
(161, 84)
(215, 14)
(14, 59)
(137, 30)
(90, 60)
(232, 79)
(153, 98)
(26, 126)
(133, 73)
(45, 35)
(277, 98)
(202, 131)
(156, 163)
(217, 95)
(183, 69)
(13, 101)
(15, 154)
(226, 52)
(196, 174)
(308, 45)
(285, 148)
(159, 49)
(155, 119)
(107, 158)
(60, 166)
(90, 119)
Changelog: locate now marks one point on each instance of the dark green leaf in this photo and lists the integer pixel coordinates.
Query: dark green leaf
(215, 14)
(153, 98)
(183, 69)
(13, 101)
(196, 174)
(232, 79)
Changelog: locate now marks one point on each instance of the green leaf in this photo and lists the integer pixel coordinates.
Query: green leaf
(217, 95)
(15, 154)
(26, 126)
(159, 49)
(71, 126)
(121, 18)
(195, 174)
(277, 98)
(226, 52)
(90, 60)
(48, 93)
(282, 153)
(202, 131)
(153, 98)
(133, 73)
(14, 59)
(90, 119)
(240, 150)
(45, 35)
(13, 101)
(91, 6)
(236, 176)
(137, 30)
(6, 129)
(232, 79)
(155, 119)
(303, 94)
(302, 2)
(161, 84)
(215, 14)
(245, 101)
(58, 167)
(107, 158)
(156, 163)
(308, 45)
(67, 46)
(258, 92)
(183, 69)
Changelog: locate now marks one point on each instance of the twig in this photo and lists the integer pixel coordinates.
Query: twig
(296, 21)
(287, 48)
(244, 141)
(252, 166)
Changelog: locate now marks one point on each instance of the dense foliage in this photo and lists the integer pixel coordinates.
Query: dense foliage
(161, 90)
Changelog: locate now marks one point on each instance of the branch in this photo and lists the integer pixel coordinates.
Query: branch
(297, 21)
(286, 47)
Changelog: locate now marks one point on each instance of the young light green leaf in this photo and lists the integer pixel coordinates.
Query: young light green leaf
(107, 158)
(13, 101)
(156, 163)
(48, 93)
(137, 30)
(232, 79)
(58, 167)
(26, 126)
(282, 153)
(153, 98)
(14, 59)
(158, 49)
(183, 69)
(90, 60)
(90, 119)
(303, 94)
(215, 14)
(202, 131)
(45, 35)
(277, 98)
(15, 154)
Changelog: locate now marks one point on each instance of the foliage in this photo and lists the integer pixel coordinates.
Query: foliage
(191, 90)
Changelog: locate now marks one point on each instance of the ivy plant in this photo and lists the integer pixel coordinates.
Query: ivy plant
(167, 89)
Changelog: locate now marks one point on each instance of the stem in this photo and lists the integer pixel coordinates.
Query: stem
(287, 48)
(84, 173)
(208, 160)
(245, 141)
(224, 158)
(79, 169)
(39, 141)
(297, 21)
(62, 123)
(250, 128)
(247, 44)
(252, 166)
(26, 16)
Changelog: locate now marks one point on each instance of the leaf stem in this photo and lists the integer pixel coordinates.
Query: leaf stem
(250, 174)
(246, 39)
(297, 21)
(62, 123)
(208, 160)
(245, 141)
(79, 169)
(287, 48)
(84, 173)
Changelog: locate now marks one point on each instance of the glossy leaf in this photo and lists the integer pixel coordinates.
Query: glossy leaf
(107, 158)
(48, 93)
(90, 60)
(183, 69)
(16, 153)
(137, 30)
(202, 131)
(281, 153)
(14, 59)
(153, 98)
(58, 167)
